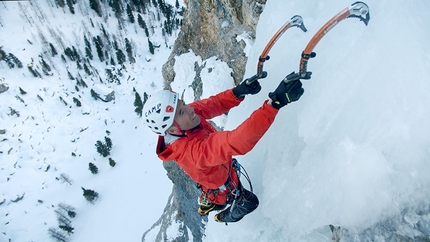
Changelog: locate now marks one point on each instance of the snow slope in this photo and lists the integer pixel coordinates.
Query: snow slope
(50, 139)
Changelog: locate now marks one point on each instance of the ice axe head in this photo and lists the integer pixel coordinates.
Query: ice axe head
(297, 21)
(360, 10)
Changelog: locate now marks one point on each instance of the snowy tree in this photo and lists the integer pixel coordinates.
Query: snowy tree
(116, 8)
(151, 47)
(95, 5)
(60, 3)
(70, 5)
(129, 50)
(45, 67)
(77, 102)
(67, 228)
(69, 53)
(120, 56)
(104, 148)
(53, 50)
(112, 162)
(108, 142)
(145, 98)
(130, 14)
(22, 91)
(142, 24)
(138, 104)
(93, 168)
(140, 21)
(88, 53)
(99, 47)
(33, 71)
(87, 70)
(87, 42)
(2, 54)
(90, 195)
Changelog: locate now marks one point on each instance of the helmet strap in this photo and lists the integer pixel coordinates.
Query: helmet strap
(179, 128)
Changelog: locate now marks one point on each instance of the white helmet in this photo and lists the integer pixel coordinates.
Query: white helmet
(159, 111)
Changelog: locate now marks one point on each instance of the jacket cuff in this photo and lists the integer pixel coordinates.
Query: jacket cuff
(266, 105)
(237, 98)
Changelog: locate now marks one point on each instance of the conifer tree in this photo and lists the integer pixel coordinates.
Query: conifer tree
(70, 5)
(120, 56)
(67, 228)
(142, 24)
(129, 50)
(10, 59)
(95, 5)
(138, 104)
(86, 69)
(116, 8)
(87, 42)
(45, 67)
(77, 102)
(151, 47)
(16, 60)
(32, 70)
(130, 13)
(69, 53)
(75, 53)
(108, 142)
(102, 149)
(112, 162)
(90, 195)
(2, 54)
(93, 168)
(140, 21)
(22, 91)
(70, 75)
(53, 50)
(99, 47)
(145, 98)
(88, 53)
(60, 3)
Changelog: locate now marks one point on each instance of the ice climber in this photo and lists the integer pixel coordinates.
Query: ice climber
(206, 154)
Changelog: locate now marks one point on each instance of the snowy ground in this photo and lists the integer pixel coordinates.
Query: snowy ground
(38, 145)
(352, 152)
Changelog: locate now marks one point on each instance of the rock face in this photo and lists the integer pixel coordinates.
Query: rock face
(180, 211)
(210, 28)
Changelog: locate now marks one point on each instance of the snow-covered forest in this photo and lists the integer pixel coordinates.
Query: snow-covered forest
(76, 74)
(352, 152)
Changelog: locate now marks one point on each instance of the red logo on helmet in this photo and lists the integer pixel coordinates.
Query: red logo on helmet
(169, 109)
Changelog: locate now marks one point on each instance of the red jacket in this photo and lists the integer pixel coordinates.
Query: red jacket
(204, 153)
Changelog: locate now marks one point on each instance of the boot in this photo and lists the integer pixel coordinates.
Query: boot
(225, 217)
(206, 208)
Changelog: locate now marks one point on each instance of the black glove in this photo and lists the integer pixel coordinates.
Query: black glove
(243, 89)
(286, 93)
